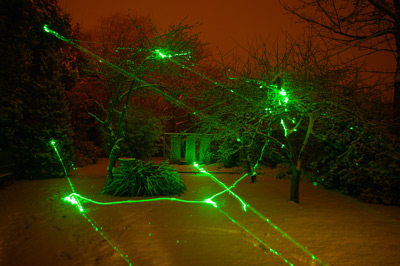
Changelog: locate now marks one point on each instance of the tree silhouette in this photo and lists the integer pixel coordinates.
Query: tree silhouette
(33, 108)
(371, 26)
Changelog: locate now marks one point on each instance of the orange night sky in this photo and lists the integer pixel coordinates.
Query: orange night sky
(223, 23)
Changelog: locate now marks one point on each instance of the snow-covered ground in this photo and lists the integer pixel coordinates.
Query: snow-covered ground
(38, 228)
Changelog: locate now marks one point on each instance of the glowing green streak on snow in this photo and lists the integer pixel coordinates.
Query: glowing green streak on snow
(53, 144)
(211, 202)
(75, 201)
(221, 184)
(284, 234)
(114, 246)
(231, 187)
(75, 195)
(254, 236)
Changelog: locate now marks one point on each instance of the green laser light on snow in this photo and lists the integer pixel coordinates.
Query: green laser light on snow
(244, 205)
(209, 201)
(71, 199)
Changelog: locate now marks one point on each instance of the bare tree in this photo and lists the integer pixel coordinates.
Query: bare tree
(130, 55)
(278, 101)
(371, 26)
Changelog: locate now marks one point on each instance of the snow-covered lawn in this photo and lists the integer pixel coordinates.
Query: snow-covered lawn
(38, 228)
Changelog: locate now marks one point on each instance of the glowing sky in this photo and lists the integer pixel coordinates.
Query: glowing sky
(223, 23)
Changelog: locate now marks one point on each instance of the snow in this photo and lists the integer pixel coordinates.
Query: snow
(38, 228)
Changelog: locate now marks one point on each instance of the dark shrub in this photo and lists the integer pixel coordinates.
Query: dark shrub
(145, 179)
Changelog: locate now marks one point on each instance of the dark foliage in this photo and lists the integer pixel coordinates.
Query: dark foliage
(145, 179)
(142, 133)
(361, 162)
(87, 138)
(32, 103)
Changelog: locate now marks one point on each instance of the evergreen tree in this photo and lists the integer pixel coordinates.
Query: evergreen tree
(32, 105)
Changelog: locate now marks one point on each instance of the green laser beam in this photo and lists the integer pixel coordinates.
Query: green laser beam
(221, 184)
(232, 186)
(122, 71)
(254, 236)
(70, 198)
(114, 246)
(261, 155)
(248, 206)
(74, 200)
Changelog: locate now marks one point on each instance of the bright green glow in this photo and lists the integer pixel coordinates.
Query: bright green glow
(163, 54)
(54, 145)
(75, 201)
(238, 140)
(211, 202)
(283, 93)
(46, 29)
(70, 198)
(226, 190)
(261, 155)
(221, 184)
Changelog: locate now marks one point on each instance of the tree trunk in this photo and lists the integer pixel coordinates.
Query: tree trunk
(112, 158)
